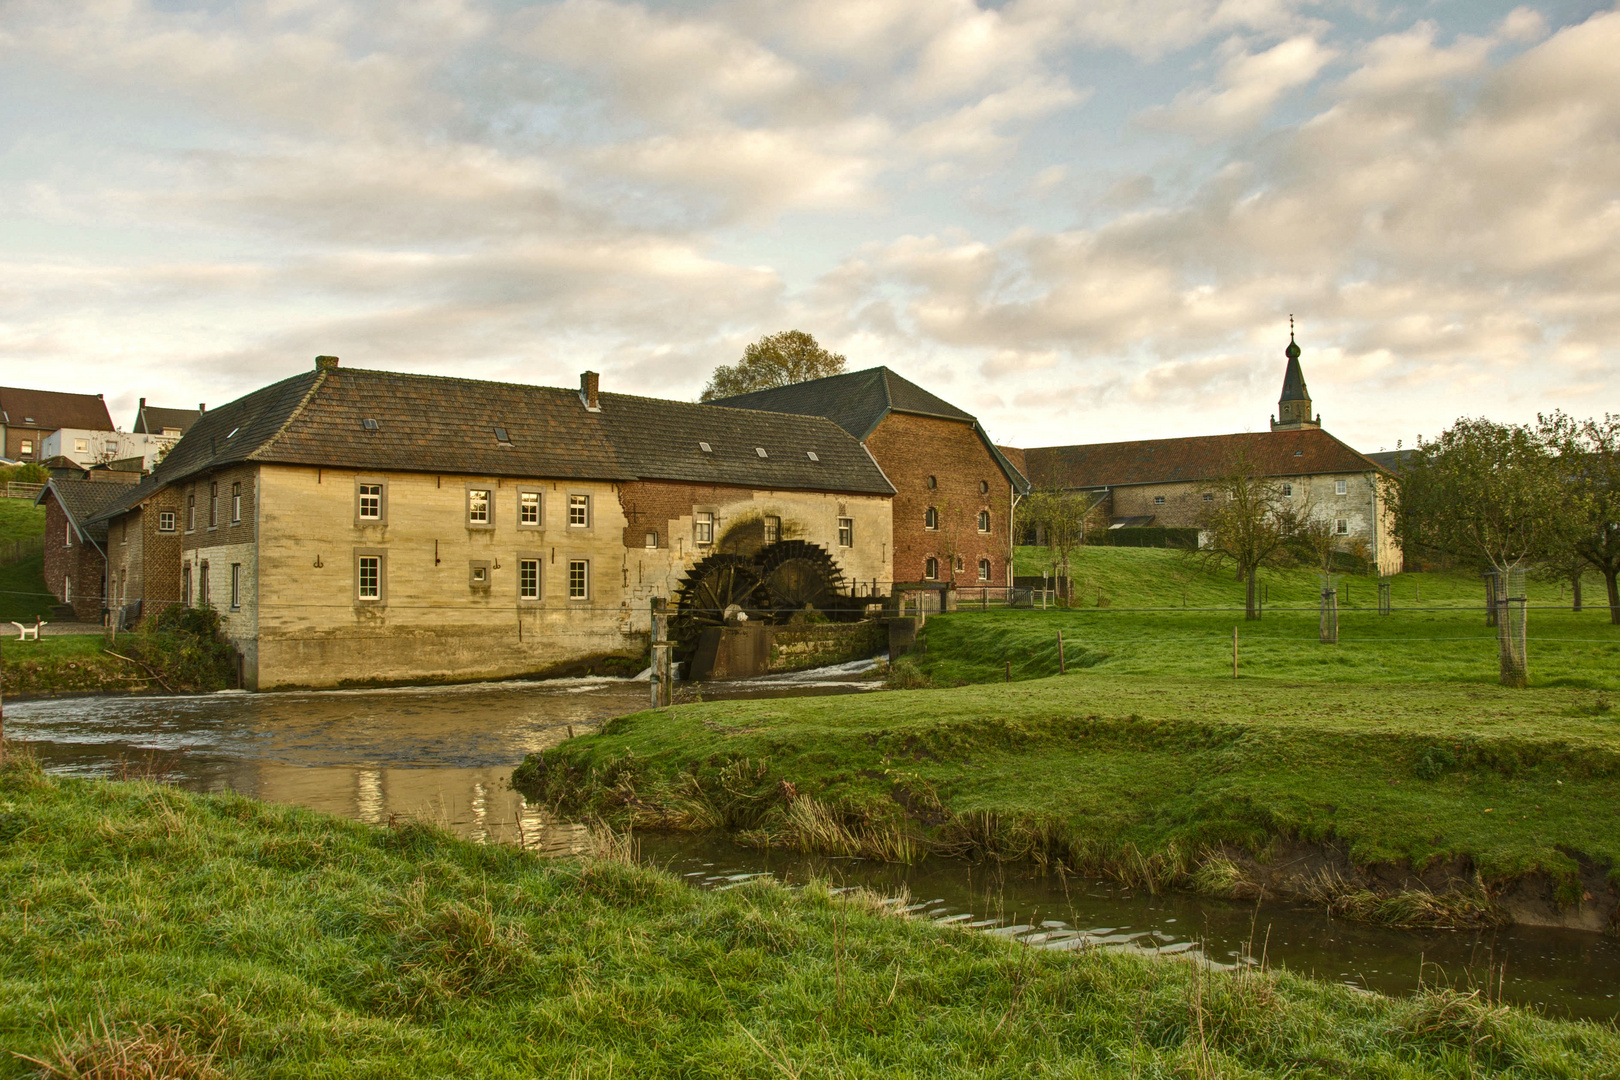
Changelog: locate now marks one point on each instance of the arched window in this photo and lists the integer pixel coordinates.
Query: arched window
(984, 569)
(984, 521)
(933, 482)
(959, 564)
(931, 518)
(931, 569)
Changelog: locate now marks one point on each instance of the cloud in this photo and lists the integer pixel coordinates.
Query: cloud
(1250, 86)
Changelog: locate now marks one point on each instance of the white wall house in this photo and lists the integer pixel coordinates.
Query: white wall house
(86, 447)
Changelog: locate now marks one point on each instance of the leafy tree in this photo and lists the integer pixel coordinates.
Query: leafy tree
(1060, 518)
(791, 356)
(1495, 495)
(1250, 522)
(1589, 456)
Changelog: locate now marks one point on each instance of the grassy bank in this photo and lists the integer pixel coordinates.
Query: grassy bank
(217, 936)
(69, 664)
(1469, 791)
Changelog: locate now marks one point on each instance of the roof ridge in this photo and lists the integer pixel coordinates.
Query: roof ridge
(292, 414)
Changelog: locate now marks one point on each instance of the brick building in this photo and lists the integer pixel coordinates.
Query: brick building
(365, 526)
(954, 490)
(76, 543)
(28, 416)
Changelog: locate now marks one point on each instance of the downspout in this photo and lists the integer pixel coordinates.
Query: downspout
(1012, 539)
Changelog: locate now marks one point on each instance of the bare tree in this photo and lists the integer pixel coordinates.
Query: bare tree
(1060, 518)
(1248, 521)
(791, 356)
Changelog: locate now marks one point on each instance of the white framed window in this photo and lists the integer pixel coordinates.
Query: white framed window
(1288, 491)
(931, 517)
(370, 502)
(579, 579)
(984, 569)
(236, 503)
(27, 447)
(67, 588)
(702, 527)
(165, 521)
(984, 521)
(478, 507)
(81, 446)
(236, 586)
(529, 510)
(579, 511)
(528, 579)
(1341, 526)
(1340, 487)
(846, 532)
(652, 541)
(112, 447)
(773, 529)
(67, 534)
(931, 569)
(371, 576)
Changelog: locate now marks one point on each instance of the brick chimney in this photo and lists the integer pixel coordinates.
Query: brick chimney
(202, 406)
(325, 363)
(587, 391)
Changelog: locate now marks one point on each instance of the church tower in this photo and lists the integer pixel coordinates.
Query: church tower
(1294, 407)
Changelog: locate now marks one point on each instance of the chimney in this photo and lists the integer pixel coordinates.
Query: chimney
(202, 406)
(325, 363)
(587, 391)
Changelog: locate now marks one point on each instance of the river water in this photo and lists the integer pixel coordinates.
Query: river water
(444, 754)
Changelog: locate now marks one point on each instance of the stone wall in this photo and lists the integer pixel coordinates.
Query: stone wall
(797, 648)
(910, 450)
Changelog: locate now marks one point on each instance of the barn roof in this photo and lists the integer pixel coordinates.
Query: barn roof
(1306, 452)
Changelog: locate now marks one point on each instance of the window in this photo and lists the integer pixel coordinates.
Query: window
(984, 487)
(165, 521)
(213, 506)
(984, 521)
(652, 541)
(81, 446)
(931, 518)
(368, 577)
(1288, 491)
(185, 585)
(931, 569)
(1158, 500)
(528, 579)
(112, 447)
(579, 579)
(984, 569)
(236, 586)
(1341, 526)
(528, 509)
(191, 511)
(702, 527)
(501, 435)
(705, 447)
(370, 506)
(67, 588)
(478, 506)
(773, 529)
(202, 584)
(171, 433)
(67, 534)
(1209, 496)
(236, 503)
(1339, 487)
(959, 564)
(478, 574)
(846, 532)
(579, 511)
(811, 454)
(123, 532)
(933, 482)
(27, 447)
(760, 450)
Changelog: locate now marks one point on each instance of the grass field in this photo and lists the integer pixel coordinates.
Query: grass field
(23, 595)
(197, 936)
(20, 519)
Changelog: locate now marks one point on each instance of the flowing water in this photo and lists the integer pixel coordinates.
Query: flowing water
(444, 754)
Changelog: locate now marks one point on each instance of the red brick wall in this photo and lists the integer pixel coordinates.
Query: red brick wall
(910, 449)
(78, 560)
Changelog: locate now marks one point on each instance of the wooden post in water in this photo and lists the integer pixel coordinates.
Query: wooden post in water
(1061, 666)
(662, 667)
(1234, 652)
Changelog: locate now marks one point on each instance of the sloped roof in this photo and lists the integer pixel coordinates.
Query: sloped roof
(1294, 383)
(82, 500)
(857, 401)
(1309, 451)
(151, 420)
(49, 410)
(1393, 460)
(428, 423)
(1016, 456)
(129, 495)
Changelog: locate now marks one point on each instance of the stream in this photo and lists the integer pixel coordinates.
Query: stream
(444, 754)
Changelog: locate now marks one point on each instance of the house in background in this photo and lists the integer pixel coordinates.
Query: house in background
(370, 526)
(166, 423)
(28, 416)
(954, 490)
(87, 448)
(1165, 482)
(75, 544)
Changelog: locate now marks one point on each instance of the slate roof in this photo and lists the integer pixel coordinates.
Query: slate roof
(129, 495)
(83, 499)
(428, 423)
(1393, 460)
(1309, 451)
(857, 401)
(49, 410)
(151, 420)
(1294, 383)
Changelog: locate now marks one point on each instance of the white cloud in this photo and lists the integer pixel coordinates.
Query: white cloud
(1250, 86)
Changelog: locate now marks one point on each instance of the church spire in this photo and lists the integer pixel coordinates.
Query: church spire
(1294, 407)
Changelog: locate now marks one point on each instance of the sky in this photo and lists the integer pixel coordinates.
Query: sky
(1080, 220)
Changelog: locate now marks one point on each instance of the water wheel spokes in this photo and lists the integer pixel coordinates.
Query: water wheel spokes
(795, 575)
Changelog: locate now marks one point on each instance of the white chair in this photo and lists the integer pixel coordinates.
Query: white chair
(27, 633)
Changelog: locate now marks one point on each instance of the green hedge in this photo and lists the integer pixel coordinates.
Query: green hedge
(1158, 536)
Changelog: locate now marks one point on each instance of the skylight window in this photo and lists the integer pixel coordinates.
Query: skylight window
(370, 425)
(501, 435)
(760, 450)
(811, 454)
(1299, 453)
(232, 435)
(705, 447)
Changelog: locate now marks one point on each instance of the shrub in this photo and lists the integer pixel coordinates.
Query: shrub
(187, 649)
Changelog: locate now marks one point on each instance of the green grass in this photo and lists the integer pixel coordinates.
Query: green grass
(288, 944)
(20, 519)
(23, 595)
(67, 664)
(1129, 775)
